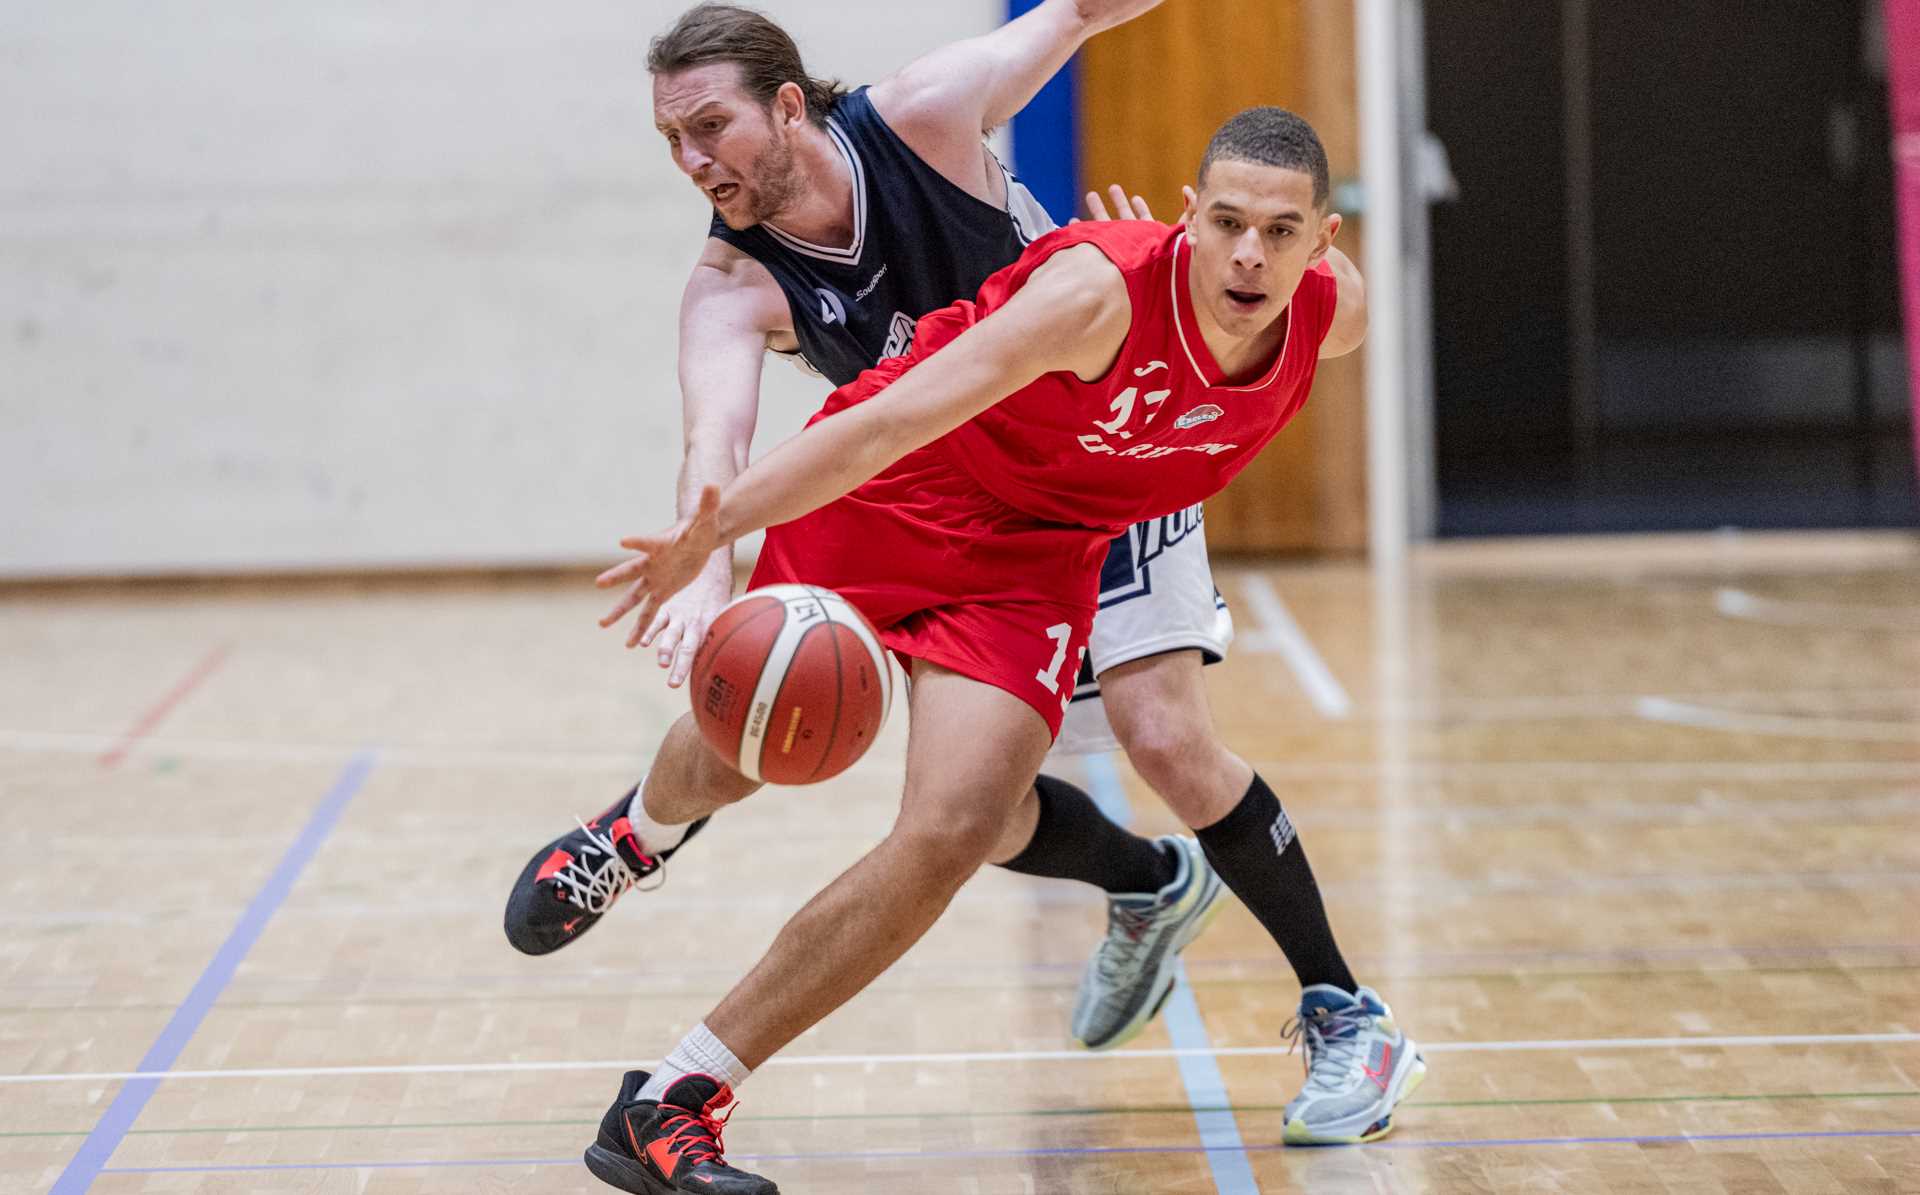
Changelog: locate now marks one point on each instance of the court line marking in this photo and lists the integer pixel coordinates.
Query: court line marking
(1743, 604)
(1106, 789)
(112, 756)
(1118, 1110)
(1708, 717)
(106, 1136)
(1060, 1151)
(1279, 632)
(1748, 1041)
(1200, 1074)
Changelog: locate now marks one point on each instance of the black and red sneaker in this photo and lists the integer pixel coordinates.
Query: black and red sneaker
(673, 1144)
(575, 878)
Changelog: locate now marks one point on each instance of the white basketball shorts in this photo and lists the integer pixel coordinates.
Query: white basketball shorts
(1156, 595)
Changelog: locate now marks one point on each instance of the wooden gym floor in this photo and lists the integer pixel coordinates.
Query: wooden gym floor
(1627, 831)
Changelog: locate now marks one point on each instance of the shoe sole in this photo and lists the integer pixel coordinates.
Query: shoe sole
(619, 1171)
(1151, 1009)
(1297, 1134)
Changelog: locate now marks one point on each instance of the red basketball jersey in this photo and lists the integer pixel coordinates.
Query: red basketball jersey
(1160, 431)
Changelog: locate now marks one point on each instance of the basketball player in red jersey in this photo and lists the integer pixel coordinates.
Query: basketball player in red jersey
(962, 497)
(840, 217)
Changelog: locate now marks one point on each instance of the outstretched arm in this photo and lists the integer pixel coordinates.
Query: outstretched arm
(1073, 314)
(729, 310)
(985, 80)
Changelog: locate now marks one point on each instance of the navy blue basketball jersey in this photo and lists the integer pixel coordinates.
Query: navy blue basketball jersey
(919, 243)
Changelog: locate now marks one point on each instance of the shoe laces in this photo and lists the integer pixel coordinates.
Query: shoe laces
(694, 1137)
(1333, 1040)
(595, 883)
(1126, 937)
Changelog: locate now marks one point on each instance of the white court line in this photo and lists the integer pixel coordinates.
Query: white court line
(1706, 717)
(1611, 771)
(1279, 632)
(1574, 1045)
(1739, 603)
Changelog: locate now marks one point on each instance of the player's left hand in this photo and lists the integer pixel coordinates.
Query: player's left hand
(666, 562)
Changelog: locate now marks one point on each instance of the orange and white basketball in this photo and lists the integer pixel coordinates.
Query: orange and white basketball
(791, 684)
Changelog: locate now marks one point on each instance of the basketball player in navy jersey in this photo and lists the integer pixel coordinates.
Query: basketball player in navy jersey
(1116, 371)
(839, 219)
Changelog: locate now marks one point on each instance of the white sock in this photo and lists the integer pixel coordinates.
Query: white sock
(654, 837)
(699, 1053)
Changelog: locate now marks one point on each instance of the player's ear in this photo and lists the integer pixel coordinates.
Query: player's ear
(1190, 213)
(790, 104)
(1329, 228)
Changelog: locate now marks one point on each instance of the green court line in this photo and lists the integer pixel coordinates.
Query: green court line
(1062, 986)
(1136, 1110)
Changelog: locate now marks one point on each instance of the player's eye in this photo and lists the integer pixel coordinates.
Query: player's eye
(1279, 230)
(711, 126)
(1227, 225)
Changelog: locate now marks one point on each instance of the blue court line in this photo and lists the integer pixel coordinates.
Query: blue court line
(1109, 795)
(886, 1155)
(1199, 1073)
(92, 1156)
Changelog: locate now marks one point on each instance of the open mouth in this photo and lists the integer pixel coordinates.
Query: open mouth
(723, 192)
(1245, 300)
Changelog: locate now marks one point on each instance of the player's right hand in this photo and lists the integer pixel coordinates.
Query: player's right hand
(1128, 209)
(681, 625)
(664, 564)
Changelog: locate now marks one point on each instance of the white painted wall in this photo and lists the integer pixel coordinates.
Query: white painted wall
(360, 283)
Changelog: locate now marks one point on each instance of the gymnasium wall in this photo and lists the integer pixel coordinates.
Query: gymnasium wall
(356, 284)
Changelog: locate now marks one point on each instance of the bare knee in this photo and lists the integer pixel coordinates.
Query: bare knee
(1164, 743)
(1170, 741)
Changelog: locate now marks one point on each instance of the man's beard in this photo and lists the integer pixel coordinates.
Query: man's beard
(776, 184)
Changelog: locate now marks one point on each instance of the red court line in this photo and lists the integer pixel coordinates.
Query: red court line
(152, 718)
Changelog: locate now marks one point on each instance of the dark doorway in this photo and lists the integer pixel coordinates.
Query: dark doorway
(1666, 297)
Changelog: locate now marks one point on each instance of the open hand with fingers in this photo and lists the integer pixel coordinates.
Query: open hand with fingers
(1123, 207)
(680, 627)
(664, 564)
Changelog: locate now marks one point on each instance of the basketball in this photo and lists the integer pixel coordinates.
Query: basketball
(791, 684)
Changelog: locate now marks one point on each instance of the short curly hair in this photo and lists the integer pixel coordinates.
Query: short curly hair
(1271, 136)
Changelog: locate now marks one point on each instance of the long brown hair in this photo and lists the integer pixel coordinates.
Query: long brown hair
(766, 56)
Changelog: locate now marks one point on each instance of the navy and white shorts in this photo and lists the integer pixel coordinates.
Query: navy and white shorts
(1156, 595)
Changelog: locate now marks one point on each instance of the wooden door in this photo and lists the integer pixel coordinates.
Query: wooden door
(1152, 93)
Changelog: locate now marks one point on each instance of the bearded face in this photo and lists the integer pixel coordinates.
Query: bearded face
(735, 149)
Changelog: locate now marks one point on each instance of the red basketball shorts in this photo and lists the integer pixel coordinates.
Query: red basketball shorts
(951, 575)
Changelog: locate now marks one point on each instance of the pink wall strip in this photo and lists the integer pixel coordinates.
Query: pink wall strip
(1903, 47)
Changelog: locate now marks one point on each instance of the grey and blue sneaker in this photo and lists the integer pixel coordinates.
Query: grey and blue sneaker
(1359, 1067)
(1131, 974)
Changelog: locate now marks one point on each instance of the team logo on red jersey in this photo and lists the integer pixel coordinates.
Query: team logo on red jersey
(1205, 413)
